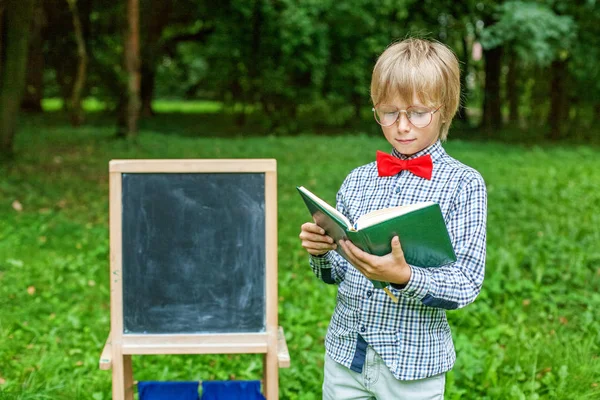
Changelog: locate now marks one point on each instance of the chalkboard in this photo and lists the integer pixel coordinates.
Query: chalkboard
(193, 252)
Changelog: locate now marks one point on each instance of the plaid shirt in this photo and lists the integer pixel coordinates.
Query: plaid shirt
(413, 337)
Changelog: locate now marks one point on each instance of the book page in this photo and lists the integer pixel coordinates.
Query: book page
(324, 204)
(375, 217)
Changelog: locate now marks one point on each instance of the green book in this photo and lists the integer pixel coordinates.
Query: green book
(420, 227)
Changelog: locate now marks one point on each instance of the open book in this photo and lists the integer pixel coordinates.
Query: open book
(420, 227)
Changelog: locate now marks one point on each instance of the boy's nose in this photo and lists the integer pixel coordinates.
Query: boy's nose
(403, 123)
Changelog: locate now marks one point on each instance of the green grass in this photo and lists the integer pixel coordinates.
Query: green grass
(534, 332)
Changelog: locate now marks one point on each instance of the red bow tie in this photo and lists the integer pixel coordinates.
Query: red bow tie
(388, 165)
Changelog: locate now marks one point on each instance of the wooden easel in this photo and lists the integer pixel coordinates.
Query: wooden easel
(120, 346)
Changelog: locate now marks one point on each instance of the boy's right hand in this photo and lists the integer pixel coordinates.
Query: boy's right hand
(314, 239)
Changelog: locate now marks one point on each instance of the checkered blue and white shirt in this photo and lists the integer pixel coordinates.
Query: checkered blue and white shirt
(413, 337)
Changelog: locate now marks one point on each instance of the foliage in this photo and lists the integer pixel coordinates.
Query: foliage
(586, 73)
(537, 34)
(278, 60)
(533, 333)
(268, 54)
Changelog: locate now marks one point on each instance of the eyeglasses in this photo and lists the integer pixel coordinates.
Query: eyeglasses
(418, 116)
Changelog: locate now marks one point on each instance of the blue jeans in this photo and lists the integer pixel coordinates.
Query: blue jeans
(377, 382)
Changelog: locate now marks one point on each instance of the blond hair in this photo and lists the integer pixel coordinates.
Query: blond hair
(417, 66)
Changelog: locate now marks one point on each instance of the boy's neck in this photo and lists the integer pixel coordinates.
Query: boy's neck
(427, 150)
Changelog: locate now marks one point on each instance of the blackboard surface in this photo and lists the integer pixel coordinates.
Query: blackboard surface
(193, 253)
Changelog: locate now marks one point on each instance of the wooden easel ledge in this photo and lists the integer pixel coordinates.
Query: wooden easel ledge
(283, 355)
(106, 356)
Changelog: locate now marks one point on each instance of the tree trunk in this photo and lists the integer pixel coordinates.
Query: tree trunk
(147, 89)
(492, 112)
(2, 44)
(16, 18)
(157, 17)
(558, 98)
(538, 98)
(76, 109)
(512, 91)
(464, 90)
(132, 66)
(34, 86)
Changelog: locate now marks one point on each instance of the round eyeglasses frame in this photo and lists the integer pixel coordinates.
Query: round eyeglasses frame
(407, 117)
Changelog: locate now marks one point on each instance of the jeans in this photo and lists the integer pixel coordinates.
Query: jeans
(376, 382)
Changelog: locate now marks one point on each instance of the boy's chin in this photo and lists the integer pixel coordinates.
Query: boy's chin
(410, 148)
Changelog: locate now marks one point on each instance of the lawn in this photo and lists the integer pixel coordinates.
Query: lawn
(533, 333)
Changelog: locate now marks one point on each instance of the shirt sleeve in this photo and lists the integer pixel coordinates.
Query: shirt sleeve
(458, 284)
(331, 267)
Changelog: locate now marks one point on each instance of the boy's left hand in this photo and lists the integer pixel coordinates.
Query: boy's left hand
(391, 268)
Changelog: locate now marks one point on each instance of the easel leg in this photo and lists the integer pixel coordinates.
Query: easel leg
(271, 375)
(122, 378)
(128, 371)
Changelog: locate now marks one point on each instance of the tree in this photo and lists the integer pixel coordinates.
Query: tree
(492, 102)
(536, 36)
(34, 87)
(154, 21)
(80, 77)
(584, 73)
(132, 65)
(15, 20)
(354, 41)
(492, 58)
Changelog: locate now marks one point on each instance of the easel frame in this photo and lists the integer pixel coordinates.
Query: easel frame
(120, 347)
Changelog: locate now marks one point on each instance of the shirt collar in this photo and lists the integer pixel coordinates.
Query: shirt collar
(435, 151)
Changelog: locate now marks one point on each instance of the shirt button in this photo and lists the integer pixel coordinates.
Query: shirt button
(369, 293)
(398, 190)
(363, 329)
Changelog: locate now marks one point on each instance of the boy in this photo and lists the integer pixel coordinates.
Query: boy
(376, 348)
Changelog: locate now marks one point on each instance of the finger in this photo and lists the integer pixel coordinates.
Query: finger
(315, 237)
(397, 248)
(312, 228)
(345, 244)
(362, 256)
(318, 246)
(316, 252)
